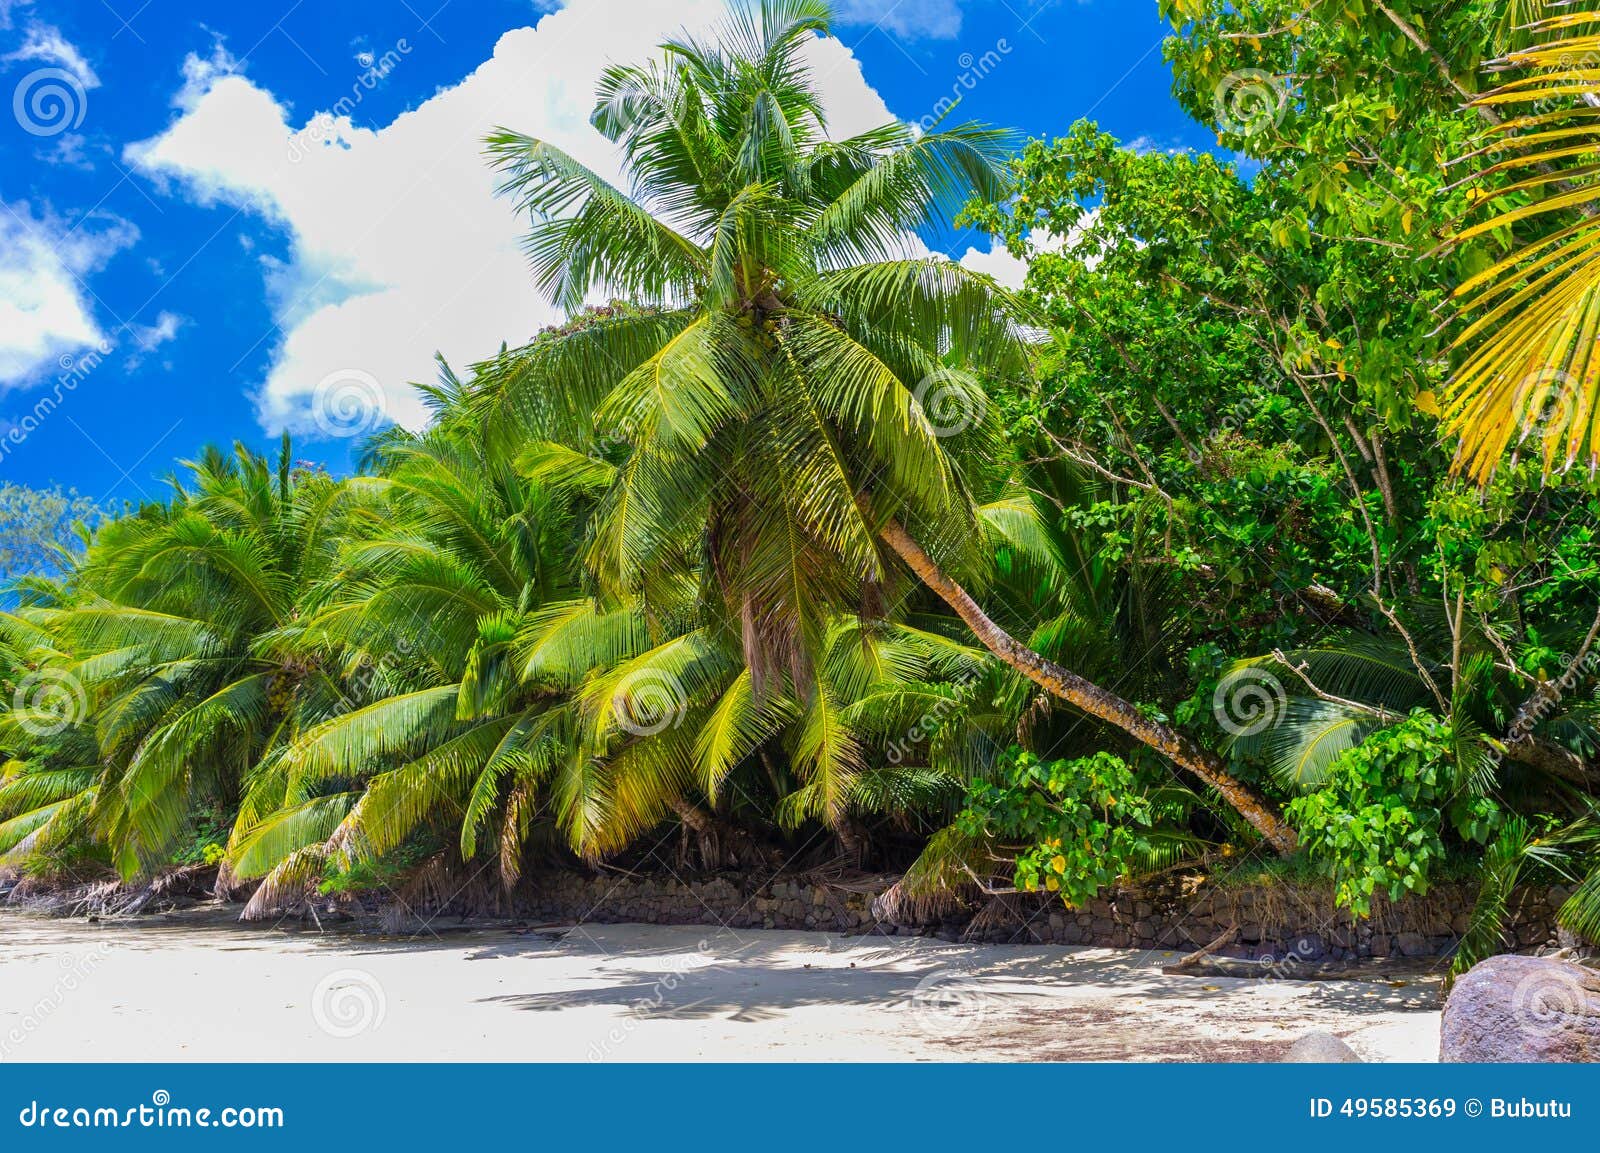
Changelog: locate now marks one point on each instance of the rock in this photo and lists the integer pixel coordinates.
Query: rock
(1413, 945)
(1307, 947)
(1320, 1049)
(1512, 1008)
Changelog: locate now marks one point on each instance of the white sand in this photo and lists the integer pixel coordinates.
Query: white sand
(149, 991)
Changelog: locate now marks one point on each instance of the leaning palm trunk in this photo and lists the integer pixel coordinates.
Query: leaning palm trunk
(1091, 698)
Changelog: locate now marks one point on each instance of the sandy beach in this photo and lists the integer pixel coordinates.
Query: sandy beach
(154, 991)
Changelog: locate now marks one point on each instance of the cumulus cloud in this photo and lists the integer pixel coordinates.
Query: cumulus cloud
(996, 262)
(45, 310)
(398, 245)
(201, 72)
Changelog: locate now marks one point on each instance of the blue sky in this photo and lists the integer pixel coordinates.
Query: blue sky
(222, 221)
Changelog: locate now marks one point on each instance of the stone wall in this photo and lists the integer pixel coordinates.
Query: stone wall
(1277, 923)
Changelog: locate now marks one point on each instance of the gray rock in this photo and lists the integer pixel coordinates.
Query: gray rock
(1320, 1049)
(1308, 947)
(1413, 945)
(1512, 1008)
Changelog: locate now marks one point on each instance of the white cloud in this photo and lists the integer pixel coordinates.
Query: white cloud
(67, 150)
(399, 246)
(998, 263)
(45, 42)
(913, 19)
(201, 72)
(45, 313)
(149, 337)
(1011, 271)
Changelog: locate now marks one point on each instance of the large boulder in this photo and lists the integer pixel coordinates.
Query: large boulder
(1320, 1049)
(1511, 1009)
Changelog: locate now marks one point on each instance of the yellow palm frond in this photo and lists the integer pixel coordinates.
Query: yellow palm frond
(1529, 379)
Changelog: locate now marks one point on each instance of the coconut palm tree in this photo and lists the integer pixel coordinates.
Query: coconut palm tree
(165, 660)
(799, 413)
(490, 697)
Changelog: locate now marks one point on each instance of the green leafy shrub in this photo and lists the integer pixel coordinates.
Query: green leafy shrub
(1378, 823)
(1076, 825)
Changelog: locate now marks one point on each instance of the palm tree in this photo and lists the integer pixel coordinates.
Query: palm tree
(170, 635)
(1529, 379)
(452, 554)
(800, 407)
(490, 698)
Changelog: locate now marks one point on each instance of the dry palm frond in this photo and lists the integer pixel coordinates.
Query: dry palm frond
(940, 881)
(289, 886)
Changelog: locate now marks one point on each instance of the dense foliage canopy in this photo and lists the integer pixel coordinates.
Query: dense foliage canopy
(1274, 486)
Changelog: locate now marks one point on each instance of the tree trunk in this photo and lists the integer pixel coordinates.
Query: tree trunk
(1091, 698)
(719, 843)
(853, 840)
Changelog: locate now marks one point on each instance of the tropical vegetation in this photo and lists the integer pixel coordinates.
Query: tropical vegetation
(1261, 522)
